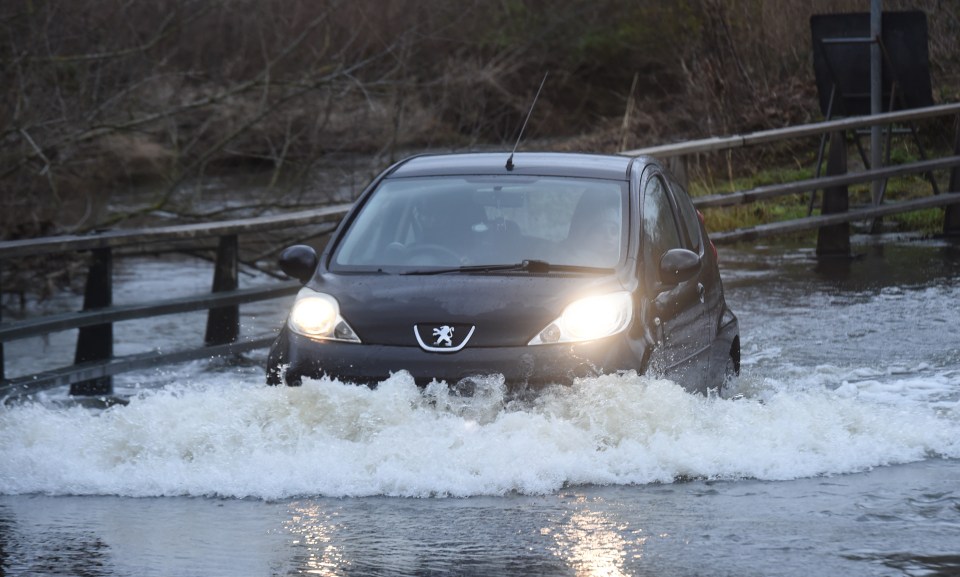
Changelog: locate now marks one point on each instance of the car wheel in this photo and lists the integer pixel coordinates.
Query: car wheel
(731, 369)
(292, 379)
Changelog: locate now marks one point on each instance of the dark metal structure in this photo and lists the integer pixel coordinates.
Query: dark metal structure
(841, 62)
(867, 63)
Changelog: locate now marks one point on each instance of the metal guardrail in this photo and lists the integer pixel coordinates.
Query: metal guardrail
(833, 222)
(118, 238)
(95, 363)
(96, 370)
(828, 220)
(812, 184)
(720, 143)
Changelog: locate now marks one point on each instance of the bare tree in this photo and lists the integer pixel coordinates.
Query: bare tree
(103, 98)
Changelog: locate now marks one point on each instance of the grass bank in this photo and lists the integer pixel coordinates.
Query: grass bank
(928, 222)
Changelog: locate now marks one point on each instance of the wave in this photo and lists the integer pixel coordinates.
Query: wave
(229, 436)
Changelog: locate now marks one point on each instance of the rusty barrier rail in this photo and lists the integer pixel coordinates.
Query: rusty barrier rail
(95, 363)
(833, 222)
(721, 143)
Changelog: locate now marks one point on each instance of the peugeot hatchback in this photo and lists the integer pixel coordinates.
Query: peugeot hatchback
(542, 268)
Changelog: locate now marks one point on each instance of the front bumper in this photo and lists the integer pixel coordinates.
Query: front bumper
(294, 357)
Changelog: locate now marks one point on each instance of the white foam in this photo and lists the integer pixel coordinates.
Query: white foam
(231, 436)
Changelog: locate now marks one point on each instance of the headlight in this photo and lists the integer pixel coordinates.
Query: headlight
(588, 319)
(317, 315)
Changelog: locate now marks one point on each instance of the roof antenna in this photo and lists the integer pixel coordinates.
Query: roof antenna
(522, 128)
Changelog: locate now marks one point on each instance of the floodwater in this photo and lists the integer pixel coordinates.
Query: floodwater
(837, 451)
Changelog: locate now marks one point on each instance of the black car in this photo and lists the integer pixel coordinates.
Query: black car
(543, 268)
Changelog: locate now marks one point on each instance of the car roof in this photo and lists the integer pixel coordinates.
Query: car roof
(607, 166)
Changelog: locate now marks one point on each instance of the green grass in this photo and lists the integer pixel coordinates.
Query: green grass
(789, 207)
(707, 186)
(928, 221)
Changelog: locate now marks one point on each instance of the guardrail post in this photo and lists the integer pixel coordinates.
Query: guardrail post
(95, 343)
(2, 362)
(834, 240)
(951, 218)
(223, 323)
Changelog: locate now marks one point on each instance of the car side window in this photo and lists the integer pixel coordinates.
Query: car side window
(660, 232)
(691, 222)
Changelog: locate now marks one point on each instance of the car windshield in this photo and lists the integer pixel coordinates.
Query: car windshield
(412, 224)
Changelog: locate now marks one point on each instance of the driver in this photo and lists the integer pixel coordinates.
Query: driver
(444, 225)
(595, 239)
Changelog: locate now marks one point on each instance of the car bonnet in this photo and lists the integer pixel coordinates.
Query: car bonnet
(498, 309)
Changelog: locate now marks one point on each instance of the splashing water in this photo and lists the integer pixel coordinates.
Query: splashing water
(241, 439)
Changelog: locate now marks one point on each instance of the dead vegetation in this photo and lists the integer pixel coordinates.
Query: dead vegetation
(105, 97)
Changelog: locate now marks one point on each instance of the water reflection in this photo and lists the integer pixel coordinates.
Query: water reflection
(416, 537)
(592, 543)
(313, 530)
(878, 266)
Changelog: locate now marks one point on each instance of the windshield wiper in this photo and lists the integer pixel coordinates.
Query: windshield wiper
(528, 265)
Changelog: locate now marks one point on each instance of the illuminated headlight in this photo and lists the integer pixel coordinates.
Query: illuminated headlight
(317, 315)
(588, 319)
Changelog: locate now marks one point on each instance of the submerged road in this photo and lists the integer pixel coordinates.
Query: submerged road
(837, 452)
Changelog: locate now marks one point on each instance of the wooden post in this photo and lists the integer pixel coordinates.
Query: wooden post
(876, 98)
(223, 323)
(2, 363)
(834, 240)
(95, 343)
(951, 218)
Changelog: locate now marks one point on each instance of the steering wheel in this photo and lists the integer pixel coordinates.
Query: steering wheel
(432, 254)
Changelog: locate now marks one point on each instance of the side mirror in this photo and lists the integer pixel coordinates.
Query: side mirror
(678, 265)
(299, 261)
